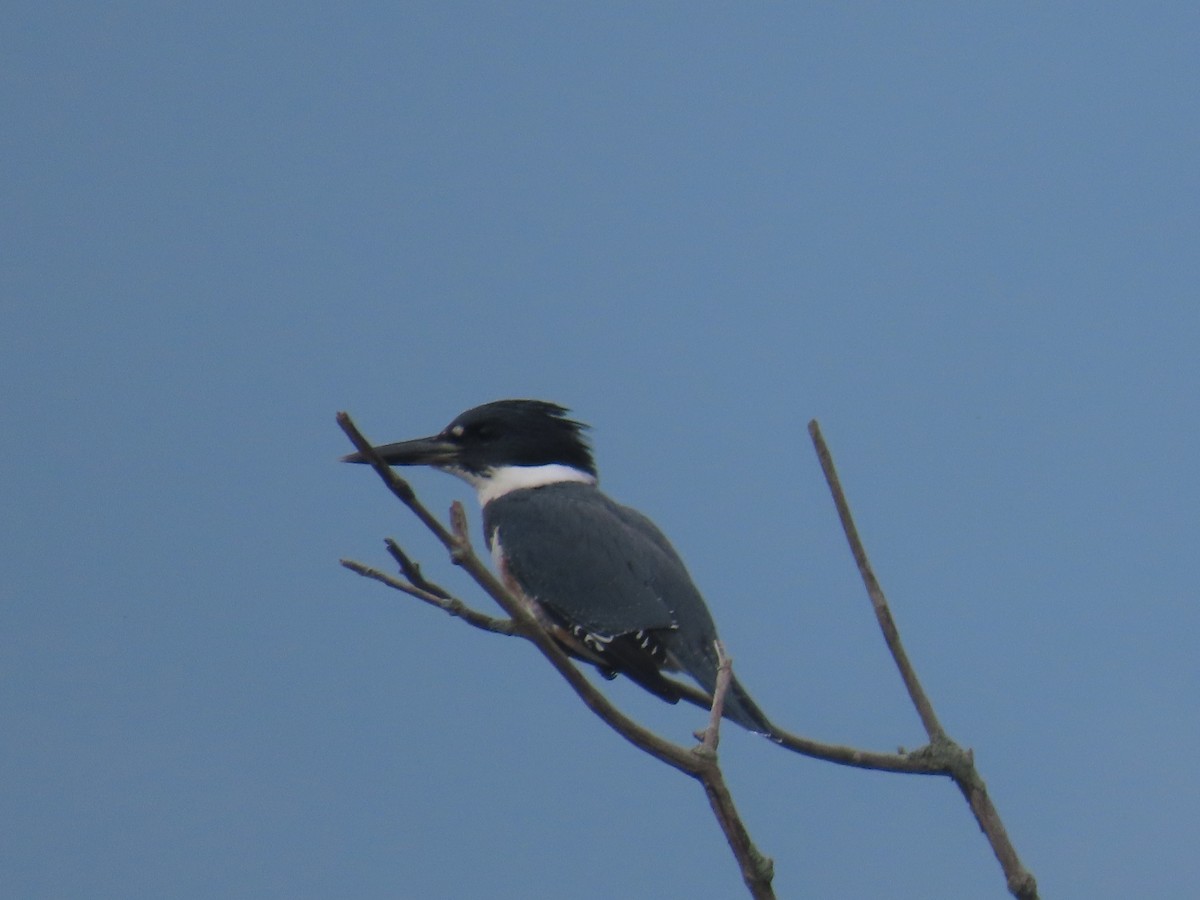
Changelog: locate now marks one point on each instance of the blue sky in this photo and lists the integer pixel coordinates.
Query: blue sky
(964, 238)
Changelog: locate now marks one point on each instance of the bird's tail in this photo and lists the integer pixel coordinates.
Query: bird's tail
(699, 659)
(739, 707)
(743, 710)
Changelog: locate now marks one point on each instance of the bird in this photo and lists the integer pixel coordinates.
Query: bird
(601, 578)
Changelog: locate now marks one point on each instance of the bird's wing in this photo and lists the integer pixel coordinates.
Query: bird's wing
(578, 554)
(608, 571)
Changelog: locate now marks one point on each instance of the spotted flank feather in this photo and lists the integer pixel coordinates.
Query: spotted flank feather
(640, 655)
(648, 642)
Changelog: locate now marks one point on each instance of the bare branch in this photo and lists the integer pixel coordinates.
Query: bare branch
(442, 601)
(397, 485)
(758, 871)
(957, 763)
(711, 736)
(878, 602)
(410, 570)
(910, 763)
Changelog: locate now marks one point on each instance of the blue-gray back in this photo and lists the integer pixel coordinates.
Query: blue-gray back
(598, 564)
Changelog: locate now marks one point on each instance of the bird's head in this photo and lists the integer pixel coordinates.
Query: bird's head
(495, 438)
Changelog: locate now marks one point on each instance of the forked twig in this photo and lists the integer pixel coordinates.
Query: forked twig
(412, 571)
(959, 764)
(449, 604)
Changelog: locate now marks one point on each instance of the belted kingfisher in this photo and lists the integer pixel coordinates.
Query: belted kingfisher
(601, 578)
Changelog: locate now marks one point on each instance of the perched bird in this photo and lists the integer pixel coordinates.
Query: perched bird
(601, 578)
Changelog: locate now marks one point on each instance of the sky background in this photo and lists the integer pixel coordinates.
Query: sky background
(963, 237)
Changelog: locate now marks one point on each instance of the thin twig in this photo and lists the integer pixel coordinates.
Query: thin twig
(878, 602)
(711, 736)
(447, 603)
(959, 764)
(412, 571)
(914, 762)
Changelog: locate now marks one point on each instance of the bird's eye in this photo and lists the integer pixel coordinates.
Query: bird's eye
(473, 431)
